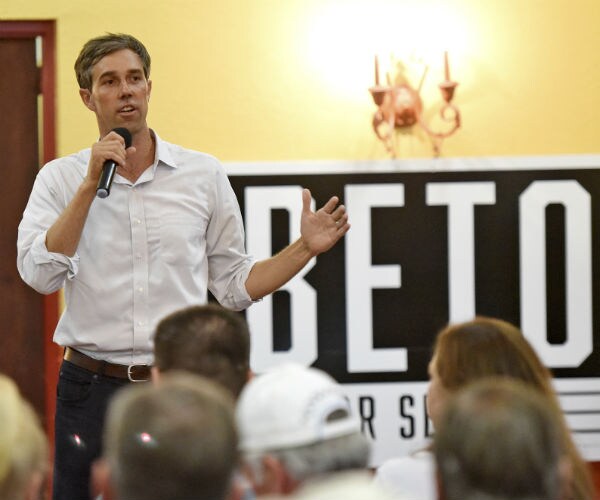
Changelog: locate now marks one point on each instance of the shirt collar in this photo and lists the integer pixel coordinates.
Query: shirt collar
(162, 153)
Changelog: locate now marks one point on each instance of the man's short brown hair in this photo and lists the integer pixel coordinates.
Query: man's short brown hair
(96, 48)
(208, 340)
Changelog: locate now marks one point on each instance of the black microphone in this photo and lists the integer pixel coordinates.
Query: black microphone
(110, 167)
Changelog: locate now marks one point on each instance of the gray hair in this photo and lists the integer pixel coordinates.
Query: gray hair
(303, 462)
(499, 439)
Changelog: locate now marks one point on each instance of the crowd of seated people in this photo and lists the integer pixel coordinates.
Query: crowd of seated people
(206, 428)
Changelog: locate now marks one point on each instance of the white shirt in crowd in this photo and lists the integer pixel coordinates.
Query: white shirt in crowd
(411, 476)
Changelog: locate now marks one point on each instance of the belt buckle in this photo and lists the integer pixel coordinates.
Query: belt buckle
(130, 369)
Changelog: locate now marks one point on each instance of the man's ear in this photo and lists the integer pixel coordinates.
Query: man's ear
(86, 97)
(155, 375)
(268, 480)
(149, 89)
(276, 476)
(272, 476)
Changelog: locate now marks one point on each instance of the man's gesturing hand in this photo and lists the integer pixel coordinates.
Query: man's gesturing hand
(322, 229)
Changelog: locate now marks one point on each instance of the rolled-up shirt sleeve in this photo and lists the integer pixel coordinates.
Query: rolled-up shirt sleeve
(44, 271)
(229, 264)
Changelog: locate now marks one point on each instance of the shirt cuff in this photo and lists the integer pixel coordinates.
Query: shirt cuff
(239, 298)
(41, 255)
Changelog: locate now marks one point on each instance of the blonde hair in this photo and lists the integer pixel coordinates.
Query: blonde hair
(23, 446)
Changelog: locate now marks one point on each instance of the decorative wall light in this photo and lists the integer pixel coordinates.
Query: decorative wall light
(399, 106)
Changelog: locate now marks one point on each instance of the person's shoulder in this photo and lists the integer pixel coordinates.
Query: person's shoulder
(73, 165)
(179, 150)
(347, 485)
(421, 460)
(191, 158)
(411, 475)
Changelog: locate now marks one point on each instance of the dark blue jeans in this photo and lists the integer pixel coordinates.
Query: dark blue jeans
(81, 401)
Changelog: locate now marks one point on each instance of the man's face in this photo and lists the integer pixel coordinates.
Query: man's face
(120, 92)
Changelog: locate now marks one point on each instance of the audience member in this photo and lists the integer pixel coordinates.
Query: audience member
(499, 439)
(170, 441)
(299, 438)
(208, 340)
(23, 447)
(465, 353)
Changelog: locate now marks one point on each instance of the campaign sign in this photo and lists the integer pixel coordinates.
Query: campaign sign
(431, 242)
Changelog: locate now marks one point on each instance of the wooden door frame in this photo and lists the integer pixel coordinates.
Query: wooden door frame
(46, 30)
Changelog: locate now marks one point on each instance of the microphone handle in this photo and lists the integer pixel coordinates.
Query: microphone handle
(106, 177)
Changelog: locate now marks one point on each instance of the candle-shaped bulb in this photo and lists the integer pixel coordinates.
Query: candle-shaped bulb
(376, 71)
(446, 66)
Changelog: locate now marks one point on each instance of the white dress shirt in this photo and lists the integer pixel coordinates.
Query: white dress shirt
(148, 249)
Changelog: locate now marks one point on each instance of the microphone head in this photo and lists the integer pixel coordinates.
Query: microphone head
(125, 134)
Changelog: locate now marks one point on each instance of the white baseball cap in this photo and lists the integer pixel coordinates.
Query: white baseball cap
(291, 405)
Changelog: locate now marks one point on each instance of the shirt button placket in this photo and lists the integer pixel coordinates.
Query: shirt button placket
(139, 251)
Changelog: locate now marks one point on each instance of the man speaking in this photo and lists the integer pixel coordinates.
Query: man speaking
(168, 230)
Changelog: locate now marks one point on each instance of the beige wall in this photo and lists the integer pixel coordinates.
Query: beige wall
(287, 79)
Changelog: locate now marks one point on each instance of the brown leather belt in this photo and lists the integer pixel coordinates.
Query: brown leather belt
(133, 373)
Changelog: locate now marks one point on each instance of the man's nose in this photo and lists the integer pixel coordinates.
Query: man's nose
(125, 88)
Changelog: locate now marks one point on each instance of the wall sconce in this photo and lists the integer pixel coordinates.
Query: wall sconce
(399, 106)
